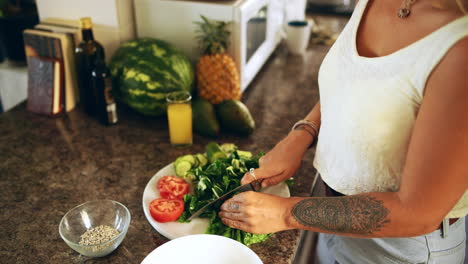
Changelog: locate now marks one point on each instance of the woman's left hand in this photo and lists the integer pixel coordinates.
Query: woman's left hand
(256, 212)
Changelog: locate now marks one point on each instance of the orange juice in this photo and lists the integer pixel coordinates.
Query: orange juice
(179, 116)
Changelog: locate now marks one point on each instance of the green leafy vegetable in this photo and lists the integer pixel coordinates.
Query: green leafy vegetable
(212, 180)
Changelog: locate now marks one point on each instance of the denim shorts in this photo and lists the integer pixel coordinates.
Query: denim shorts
(432, 248)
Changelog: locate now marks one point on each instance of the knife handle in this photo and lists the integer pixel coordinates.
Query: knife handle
(256, 185)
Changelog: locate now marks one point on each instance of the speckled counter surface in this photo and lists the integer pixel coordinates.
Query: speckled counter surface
(49, 165)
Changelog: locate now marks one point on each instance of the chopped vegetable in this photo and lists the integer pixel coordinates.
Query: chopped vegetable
(172, 187)
(182, 167)
(183, 164)
(228, 148)
(201, 159)
(214, 152)
(245, 154)
(165, 210)
(222, 174)
(190, 159)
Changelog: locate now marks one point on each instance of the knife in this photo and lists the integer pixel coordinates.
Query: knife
(255, 185)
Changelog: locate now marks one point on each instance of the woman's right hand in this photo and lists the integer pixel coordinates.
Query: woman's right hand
(282, 162)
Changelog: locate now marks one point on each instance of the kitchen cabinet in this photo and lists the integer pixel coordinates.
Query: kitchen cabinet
(49, 165)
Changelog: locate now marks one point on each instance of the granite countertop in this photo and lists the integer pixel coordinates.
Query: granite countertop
(50, 165)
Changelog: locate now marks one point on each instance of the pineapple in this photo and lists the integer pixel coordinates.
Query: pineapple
(217, 75)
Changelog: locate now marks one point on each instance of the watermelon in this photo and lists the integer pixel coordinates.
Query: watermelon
(145, 70)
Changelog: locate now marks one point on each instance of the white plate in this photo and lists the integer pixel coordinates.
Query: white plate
(206, 249)
(173, 230)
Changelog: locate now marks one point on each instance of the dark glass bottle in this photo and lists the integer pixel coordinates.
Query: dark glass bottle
(101, 83)
(87, 53)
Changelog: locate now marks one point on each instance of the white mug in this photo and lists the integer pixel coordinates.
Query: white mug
(297, 35)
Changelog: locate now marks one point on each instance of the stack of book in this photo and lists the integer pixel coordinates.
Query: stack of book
(52, 77)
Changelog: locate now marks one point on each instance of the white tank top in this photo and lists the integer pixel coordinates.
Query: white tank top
(369, 107)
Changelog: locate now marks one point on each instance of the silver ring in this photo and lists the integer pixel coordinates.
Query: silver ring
(251, 171)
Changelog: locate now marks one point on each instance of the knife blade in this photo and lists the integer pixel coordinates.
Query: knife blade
(252, 186)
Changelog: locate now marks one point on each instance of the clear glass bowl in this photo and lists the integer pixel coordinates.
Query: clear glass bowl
(92, 214)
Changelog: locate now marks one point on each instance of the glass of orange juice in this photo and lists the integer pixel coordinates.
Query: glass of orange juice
(179, 116)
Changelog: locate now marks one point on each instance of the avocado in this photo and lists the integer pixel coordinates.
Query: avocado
(235, 117)
(204, 118)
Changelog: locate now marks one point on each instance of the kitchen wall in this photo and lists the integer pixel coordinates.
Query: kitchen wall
(13, 85)
(114, 21)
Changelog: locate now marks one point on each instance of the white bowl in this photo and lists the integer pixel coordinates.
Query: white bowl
(202, 249)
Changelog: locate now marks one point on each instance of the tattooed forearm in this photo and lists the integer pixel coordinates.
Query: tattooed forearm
(361, 214)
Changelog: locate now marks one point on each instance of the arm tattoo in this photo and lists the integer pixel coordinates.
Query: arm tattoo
(361, 214)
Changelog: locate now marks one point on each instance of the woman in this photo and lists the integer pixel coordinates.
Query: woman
(393, 142)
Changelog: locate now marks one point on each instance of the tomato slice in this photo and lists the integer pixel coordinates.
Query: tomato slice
(165, 210)
(172, 187)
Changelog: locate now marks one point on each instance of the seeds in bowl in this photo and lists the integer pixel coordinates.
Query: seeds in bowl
(98, 235)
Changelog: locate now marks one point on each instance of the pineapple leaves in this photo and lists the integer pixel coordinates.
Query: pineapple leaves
(212, 35)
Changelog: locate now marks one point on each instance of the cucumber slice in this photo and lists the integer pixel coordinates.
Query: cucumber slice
(201, 159)
(177, 161)
(190, 158)
(182, 167)
(196, 162)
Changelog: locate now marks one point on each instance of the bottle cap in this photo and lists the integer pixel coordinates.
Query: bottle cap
(86, 23)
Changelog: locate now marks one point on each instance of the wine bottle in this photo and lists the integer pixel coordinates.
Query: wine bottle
(101, 83)
(86, 55)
